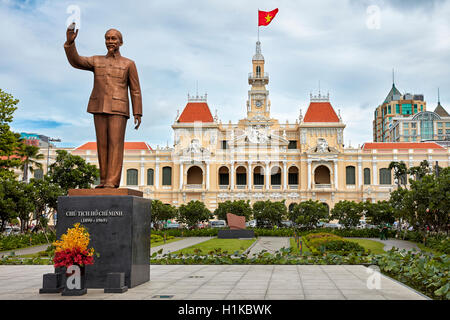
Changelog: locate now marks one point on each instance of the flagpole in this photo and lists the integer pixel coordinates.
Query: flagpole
(258, 24)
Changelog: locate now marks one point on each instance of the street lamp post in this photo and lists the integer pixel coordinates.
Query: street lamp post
(48, 149)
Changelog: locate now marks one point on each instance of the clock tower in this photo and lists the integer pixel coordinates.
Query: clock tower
(258, 103)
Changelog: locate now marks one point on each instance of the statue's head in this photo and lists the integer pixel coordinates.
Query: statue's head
(113, 40)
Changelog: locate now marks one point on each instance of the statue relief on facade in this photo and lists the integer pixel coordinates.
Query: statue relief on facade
(257, 134)
(322, 146)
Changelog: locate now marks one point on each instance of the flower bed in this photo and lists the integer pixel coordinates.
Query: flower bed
(24, 240)
(320, 243)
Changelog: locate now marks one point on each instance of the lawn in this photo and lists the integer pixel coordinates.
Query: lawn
(230, 245)
(160, 243)
(374, 246)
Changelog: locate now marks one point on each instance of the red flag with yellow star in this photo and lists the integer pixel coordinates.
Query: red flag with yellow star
(266, 17)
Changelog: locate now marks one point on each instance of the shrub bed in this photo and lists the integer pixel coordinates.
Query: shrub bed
(319, 243)
(24, 240)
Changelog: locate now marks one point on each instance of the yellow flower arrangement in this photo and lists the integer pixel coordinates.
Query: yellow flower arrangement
(75, 238)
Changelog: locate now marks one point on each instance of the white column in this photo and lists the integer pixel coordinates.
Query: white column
(142, 175)
(335, 174)
(359, 173)
(284, 176)
(207, 176)
(232, 176)
(249, 175)
(157, 175)
(374, 173)
(267, 171)
(181, 175)
(309, 174)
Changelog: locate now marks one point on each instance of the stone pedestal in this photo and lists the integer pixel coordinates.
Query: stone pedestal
(235, 234)
(119, 228)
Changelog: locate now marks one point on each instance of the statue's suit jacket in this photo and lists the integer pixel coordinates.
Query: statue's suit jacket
(112, 76)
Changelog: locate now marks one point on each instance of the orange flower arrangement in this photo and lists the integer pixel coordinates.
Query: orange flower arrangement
(73, 248)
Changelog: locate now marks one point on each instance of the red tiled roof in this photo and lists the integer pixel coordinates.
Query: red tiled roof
(196, 111)
(401, 145)
(127, 146)
(320, 112)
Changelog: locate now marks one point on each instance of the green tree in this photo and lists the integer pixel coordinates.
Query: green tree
(427, 201)
(71, 172)
(347, 212)
(268, 213)
(8, 189)
(193, 213)
(25, 204)
(162, 212)
(420, 171)
(237, 207)
(29, 154)
(379, 213)
(308, 213)
(8, 139)
(46, 195)
(400, 172)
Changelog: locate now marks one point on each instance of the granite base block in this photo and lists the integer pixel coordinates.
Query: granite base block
(235, 234)
(115, 283)
(119, 228)
(52, 283)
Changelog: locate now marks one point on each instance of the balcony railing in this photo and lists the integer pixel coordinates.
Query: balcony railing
(293, 186)
(194, 186)
(322, 185)
(258, 186)
(241, 186)
(258, 75)
(223, 186)
(276, 186)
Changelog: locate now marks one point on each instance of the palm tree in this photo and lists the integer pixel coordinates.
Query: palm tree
(400, 171)
(29, 154)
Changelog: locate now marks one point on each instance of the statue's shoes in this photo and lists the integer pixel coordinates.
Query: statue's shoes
(100, 186)
(109, 185)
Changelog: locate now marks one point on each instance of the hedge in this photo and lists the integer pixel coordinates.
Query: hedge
(12, 242)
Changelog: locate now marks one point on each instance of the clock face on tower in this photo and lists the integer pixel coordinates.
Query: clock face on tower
(258, 103)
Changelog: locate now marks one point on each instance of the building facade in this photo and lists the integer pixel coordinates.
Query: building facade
(423, 126)
(259, 158)
(396, 105)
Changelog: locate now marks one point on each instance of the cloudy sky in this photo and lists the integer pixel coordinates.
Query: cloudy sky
(349, 46)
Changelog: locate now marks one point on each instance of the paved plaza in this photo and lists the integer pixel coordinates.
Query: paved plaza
(224, 282)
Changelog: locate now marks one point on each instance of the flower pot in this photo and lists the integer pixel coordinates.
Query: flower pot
(75, 281)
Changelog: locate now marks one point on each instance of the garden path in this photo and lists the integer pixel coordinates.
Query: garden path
(271, 244)
(180, 244)
(400, 244)
(29, 250)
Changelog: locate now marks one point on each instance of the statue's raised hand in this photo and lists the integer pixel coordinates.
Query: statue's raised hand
(71, 35)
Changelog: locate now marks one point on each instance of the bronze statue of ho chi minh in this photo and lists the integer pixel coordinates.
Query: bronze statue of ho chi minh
(109, 103)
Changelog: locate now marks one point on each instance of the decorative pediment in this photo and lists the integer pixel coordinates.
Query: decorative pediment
(194, 149)
(258, 134)
(322, 147)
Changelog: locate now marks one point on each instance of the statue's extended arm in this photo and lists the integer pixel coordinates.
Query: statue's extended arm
(77, 61)
(135, 92)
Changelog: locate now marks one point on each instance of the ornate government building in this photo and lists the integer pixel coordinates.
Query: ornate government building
(259, 158)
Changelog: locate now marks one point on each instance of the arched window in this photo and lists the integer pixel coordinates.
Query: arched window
(293, 176)
(275, 177)
(258, 71)
(132, 177)
(224, 176)
(241, 176)
(167, 176)
(350, 175)
(366, 176)
(385, 176)
(258, 176)
(322, 175)
(194, 175)
(150, 175)
(38, 174)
